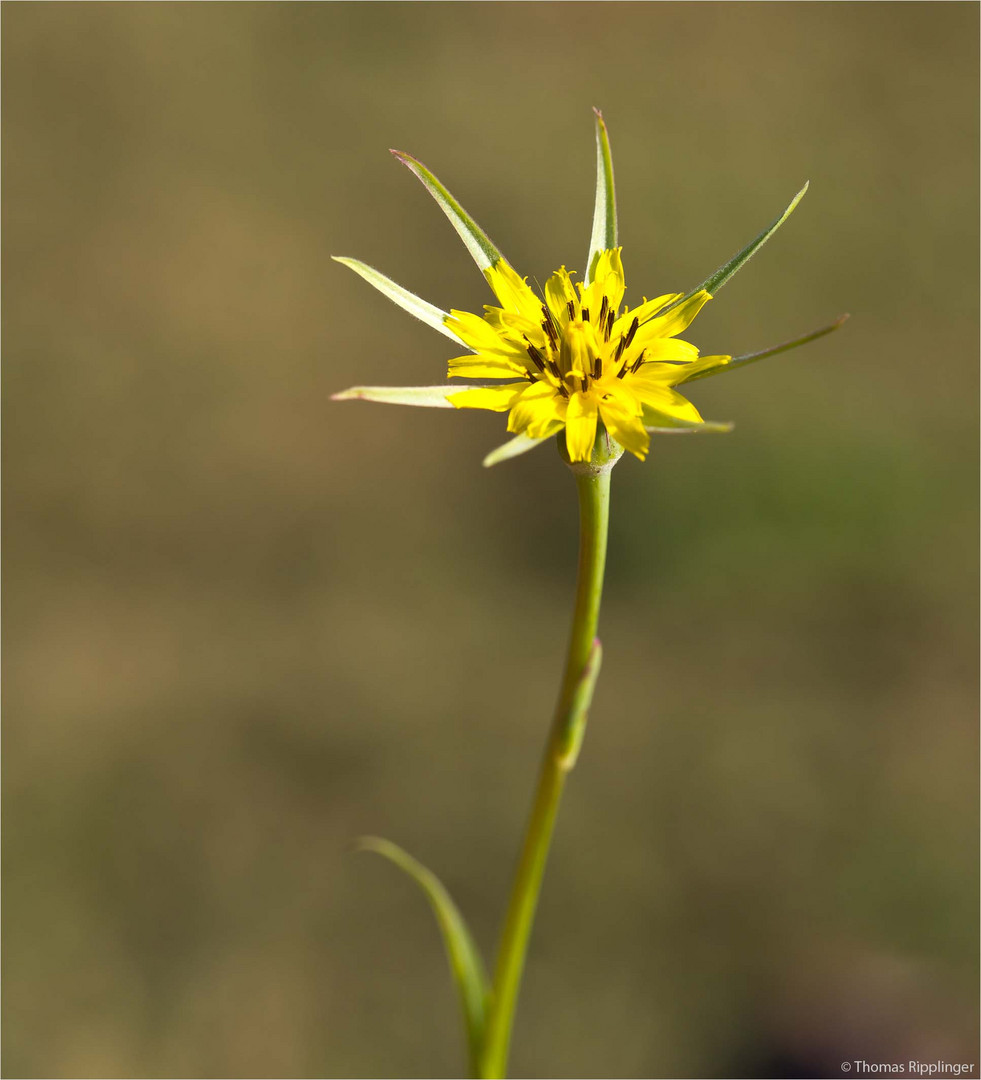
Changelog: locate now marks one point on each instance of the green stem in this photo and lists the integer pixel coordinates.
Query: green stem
(561, 751)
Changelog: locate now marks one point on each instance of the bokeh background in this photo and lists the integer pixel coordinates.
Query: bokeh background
(245, 624)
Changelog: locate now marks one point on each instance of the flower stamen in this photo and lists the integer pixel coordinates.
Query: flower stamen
(548, 325)
(536, 356)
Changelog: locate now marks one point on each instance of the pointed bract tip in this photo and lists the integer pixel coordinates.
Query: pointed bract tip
(366, 843)
(842, 319)
(599, 113)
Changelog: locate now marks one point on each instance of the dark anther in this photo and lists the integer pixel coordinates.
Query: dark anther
(554, 368)
(549, 326)
(631, 332)
(636, 364)
(598, 368)
(585, 314)
(585, 384)
(537, 357)
(604, 308)
(610, 319)
(620, 347)
(572, 309)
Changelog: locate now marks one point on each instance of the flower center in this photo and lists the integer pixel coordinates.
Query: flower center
(580, 353)
(580, 349)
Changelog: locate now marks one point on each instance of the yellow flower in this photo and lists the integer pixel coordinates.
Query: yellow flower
(580, 358)
(575, 357)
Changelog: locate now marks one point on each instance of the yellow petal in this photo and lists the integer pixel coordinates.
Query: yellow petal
(672, 322)
(625, 425)
(608, 277)
(513, 291)
(495, 398)
(514, 326)
(643, 312)
(580, 427)
(485, 367)
(671, 350)
(538, 411)
(618, 394)
(476, 332)
(669, 358)
(558, 292)
(662, 405)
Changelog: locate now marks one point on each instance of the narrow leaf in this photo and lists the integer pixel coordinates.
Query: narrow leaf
(751, 358)
(604, 236)
(709, 426)
(414, 305)
(721, 276)
(464, 957)
(479, 244)
(520, 444)
(433, 397)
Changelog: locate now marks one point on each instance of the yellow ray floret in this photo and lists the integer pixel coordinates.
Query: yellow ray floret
(575, 358)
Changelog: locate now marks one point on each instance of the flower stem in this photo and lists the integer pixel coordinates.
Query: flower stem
(561, 751)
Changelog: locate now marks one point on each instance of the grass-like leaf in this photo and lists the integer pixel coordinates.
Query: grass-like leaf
(433, 397)
(520, 444)
(715, 282)
(465, 961)
(751, 358)
(479, 244)
(407, 301)
(604, 236)
(710, 426)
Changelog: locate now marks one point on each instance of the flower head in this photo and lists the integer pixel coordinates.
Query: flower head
(574, 357)
(579, 357)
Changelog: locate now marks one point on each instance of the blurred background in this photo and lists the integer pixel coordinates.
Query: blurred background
(245, 624)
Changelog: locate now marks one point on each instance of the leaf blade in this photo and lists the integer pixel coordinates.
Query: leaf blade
(417, 307)
(462, 952)
(482, 249)
(786, 346)
(715, 281)
(432, 397)
(604, 234)
(708, 427)
(520, 444)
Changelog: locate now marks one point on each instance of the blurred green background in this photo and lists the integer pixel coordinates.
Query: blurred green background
(245, 624)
